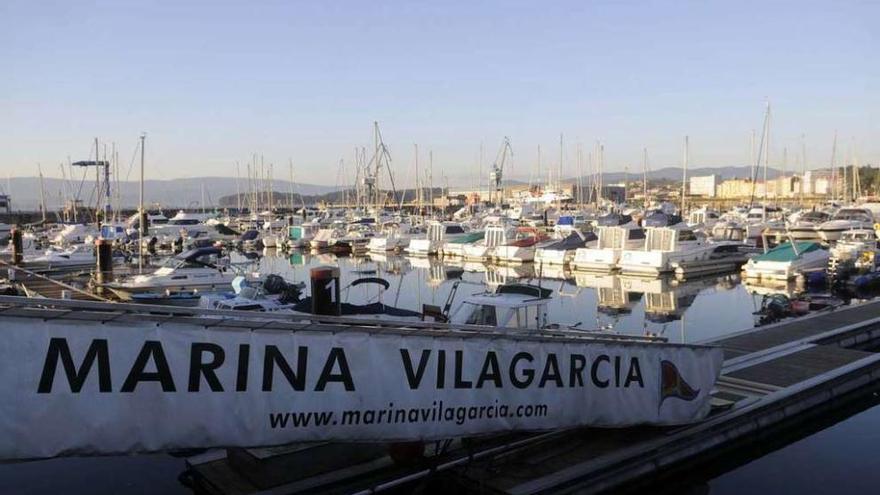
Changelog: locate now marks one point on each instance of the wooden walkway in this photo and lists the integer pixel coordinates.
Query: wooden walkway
(42, 284)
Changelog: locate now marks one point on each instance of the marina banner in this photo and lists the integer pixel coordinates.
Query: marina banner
(76, 387)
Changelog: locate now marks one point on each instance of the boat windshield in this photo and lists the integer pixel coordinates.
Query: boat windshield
(476, 314)
(200, 262)
(859, 215)
(183, 221)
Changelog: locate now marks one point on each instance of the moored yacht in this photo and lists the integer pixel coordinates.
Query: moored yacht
(562, 251)
(664, 247)
(438, 233)
(845, 219)
(521, 248)
(615, 233)
(197, 269)
(805, 225)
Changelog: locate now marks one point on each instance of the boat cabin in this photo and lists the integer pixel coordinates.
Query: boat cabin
(511, 306)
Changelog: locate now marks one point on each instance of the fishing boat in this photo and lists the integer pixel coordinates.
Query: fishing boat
(438, 233)
(845, 219)
(786, 261)
(562, 252)
(666, 247)
(202, 269)
(615, 233)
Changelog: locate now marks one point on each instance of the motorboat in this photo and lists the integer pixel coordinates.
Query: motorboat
(276, 295)
(498, 231)
(703, 219)
(785, 261)
(761, 219)
(393, 236)
(299, 236)
(202, 269)
(615, 233)
(510, 305)
(74, 234)
(562, 252)
(73, 257)
(323, 237)
(454, 248)
(805, 225)
(438, 233)
(855, 251)
(845, 219)
(354, 239)
(521, 247)
(664, 248)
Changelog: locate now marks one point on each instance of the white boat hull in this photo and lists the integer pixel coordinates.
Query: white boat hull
(554, 256)
(592, 259)
(657, 262)
(785, 270)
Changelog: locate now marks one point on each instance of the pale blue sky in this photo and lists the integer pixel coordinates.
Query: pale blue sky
(211, 82)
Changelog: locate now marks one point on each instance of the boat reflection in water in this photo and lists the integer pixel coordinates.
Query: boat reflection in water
(607, 301)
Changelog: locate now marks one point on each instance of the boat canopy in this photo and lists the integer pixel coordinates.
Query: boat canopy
(250, 235)
(660, 219)
(565, 220)
(469, 238)
(196, 253)
(785, 252)
(613, 219)
(574, 240)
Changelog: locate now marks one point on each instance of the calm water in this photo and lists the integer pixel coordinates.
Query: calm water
(840, 458)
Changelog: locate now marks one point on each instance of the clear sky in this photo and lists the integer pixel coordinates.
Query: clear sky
(213, 81)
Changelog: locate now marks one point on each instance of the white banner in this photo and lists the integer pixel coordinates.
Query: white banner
(70, 387)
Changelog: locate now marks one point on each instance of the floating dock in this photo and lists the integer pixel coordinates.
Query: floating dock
(773, 377)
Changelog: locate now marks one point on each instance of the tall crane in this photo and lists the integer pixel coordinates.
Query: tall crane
(370, 180)
(105, 187)
(497, 172)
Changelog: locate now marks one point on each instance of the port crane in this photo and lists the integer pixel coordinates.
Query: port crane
(370, 181)
(497, 171)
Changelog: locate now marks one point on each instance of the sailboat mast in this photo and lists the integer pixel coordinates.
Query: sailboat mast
(42, 194)
(766, 151)
(803, 167)
(645, 176)
(684, 175)
(559, 176)
(833, 168)
(142, 218)
(290, 187)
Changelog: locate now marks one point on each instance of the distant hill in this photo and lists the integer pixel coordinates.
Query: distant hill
(172, 193)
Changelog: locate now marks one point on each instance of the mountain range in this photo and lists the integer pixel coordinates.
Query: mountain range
(182, 193)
